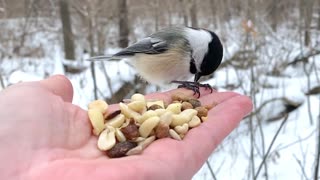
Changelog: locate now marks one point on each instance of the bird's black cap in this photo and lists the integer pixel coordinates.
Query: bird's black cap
(213, 58)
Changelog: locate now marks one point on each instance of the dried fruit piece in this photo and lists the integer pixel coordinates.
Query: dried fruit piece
(120, 149)
(183, 129)
(107, 139)
(162, 130)
(202, 111)
(160, 103)
(100, 105)
(146, 115)
(138, 97)
(113, 114)
(174, 135)
(175, 108)
(120, 136)
(154, 107)
(186, 105)
(97, 121)
(195, 102)
(210, 106)
(195, 121)
(131, 130)
(148, 125)
(137, 106)
(141, 146)
(178, 96)
(117, 121)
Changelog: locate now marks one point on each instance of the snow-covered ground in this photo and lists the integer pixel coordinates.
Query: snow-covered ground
(293, 153)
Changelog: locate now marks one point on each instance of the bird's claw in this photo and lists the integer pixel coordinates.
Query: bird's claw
(194, 86)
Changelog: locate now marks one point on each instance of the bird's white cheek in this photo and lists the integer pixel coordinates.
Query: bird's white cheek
(162, 68)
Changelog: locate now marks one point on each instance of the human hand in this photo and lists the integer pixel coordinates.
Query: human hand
(45, 136)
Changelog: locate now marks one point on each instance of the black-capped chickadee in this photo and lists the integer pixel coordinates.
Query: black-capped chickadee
(174, 54)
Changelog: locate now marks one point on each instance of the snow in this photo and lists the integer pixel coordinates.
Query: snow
(297, 140)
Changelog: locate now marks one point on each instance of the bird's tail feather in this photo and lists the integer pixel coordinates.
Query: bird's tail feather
(104, 58)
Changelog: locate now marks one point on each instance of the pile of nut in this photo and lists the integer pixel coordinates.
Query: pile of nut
(139, 122)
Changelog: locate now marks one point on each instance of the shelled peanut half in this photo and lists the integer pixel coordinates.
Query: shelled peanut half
(139, 122)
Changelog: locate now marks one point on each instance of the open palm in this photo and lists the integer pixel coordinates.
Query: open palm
(45, 136)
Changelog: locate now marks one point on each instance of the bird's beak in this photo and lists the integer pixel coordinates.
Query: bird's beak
(197, 77)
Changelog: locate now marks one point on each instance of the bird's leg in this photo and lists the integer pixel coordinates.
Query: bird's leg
(193, 85)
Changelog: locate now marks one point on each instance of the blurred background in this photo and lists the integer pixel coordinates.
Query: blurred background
(272, 54)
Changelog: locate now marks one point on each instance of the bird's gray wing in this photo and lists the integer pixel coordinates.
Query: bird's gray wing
(149, 45)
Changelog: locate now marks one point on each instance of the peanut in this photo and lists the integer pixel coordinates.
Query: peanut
(101, 105)
(97, 121)
(175, 108)
(195, 121)
(160, 111)
(146, 115)
(107, 139)
(141, 146)
(138, 97)
(129, 113)
(183, 129)
(148, 125)
(120, 136)
(174, 135)
(137, 106)
(166, 118)
(117, 121)
(184, 117)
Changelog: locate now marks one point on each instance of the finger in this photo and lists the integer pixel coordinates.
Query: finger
(60, 86)
(222, 120)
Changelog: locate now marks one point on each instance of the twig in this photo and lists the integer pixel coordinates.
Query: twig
(316, 170)
(211, 171)
(301, 166)
(1, 82)
(94, 80)
(104, 70)
(269, 148)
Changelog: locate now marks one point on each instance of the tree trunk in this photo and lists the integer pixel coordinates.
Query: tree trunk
(156, 15)
(183, 6)
(213, 6)
(68, 38)
(193, 14)
(123, 23)
(274, 15)
(307, 13)
(318, 26)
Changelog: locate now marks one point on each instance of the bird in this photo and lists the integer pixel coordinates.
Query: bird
(174, 55)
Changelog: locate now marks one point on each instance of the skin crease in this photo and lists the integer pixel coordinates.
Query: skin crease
(44, 136)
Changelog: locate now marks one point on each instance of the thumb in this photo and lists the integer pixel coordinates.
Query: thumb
(60, 86)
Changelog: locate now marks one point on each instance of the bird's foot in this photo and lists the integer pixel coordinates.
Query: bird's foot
(194, 86)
